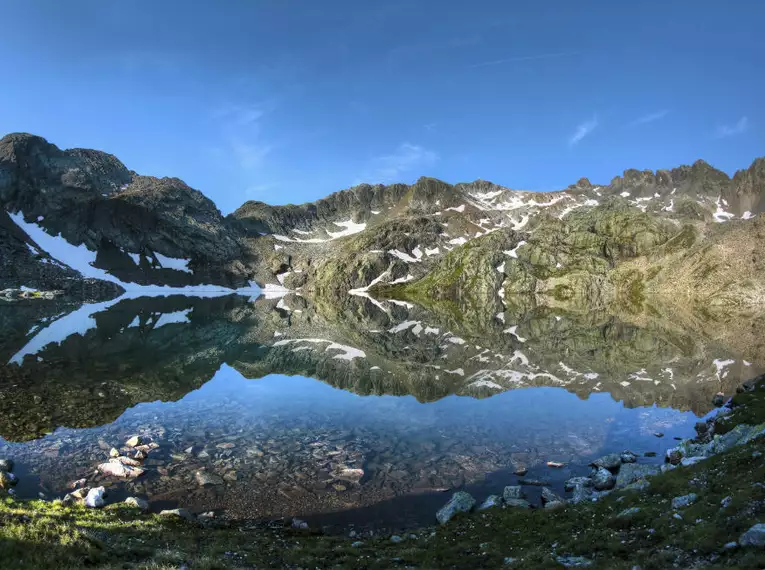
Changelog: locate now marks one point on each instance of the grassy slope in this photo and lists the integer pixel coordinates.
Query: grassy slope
(38, 534)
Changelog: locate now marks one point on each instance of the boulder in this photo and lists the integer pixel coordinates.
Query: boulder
(612, 461)
(603, 479)
(755, 536)
(177, 513)
(95, 498)
(628, 457)
(491, 502)
(461, 502)
(631, 472)
(550, 496)
(575, 482)
(581, 494)
(6, 465)
(683, 501)
(137, 503)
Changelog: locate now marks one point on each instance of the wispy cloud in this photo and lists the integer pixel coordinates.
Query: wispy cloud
(249, 155)
(239, 115)
(406, 158)
(241, 129)
(650, 118)
(742, 125)
(583, 130)
(523, 58)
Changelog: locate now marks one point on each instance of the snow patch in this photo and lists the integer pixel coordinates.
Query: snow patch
(174, 317)
(514, 252)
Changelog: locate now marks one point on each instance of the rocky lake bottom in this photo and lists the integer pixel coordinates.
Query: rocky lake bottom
(294, 446)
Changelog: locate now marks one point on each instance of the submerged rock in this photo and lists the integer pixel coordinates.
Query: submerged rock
(513, 492)
(6, 465)
(118, 469)
(461, 502)
(134, 441)
(95, 498)
(628, 512)
(207, 478)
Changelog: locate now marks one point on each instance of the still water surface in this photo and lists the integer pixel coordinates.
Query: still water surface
(289, 445)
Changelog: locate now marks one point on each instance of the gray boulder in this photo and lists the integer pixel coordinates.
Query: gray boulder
(491, 502)
(612, 461)
(581, 494)
(575, 482)
(628, 457)
(461, 502)
(755, 536)
(603, 479)
(631, 472)
(550, 496)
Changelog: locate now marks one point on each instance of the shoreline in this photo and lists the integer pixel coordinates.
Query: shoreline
(680, 508)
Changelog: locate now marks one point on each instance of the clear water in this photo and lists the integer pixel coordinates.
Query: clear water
(289, 445)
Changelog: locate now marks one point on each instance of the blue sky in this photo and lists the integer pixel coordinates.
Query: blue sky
(288, 101)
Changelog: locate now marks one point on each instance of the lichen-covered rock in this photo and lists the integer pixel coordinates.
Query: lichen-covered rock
(461, 502)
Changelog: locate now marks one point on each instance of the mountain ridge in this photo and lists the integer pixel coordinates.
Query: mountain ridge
(160, 231)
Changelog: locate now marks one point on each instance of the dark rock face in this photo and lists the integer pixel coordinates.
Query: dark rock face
(91, 198)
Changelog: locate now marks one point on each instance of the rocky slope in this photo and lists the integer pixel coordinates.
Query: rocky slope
(108, 222)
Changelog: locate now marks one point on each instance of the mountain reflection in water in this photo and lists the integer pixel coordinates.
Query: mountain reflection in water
(408, 404)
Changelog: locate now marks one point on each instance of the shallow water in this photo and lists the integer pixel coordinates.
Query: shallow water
(275, 445)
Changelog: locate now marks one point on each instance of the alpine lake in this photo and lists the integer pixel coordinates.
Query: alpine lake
(358, 416)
